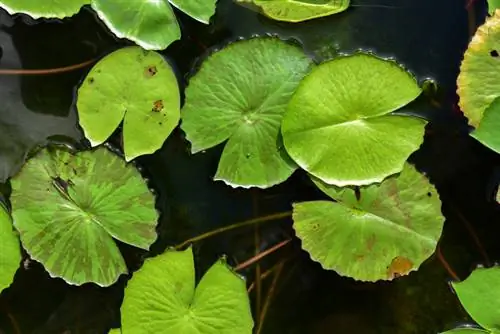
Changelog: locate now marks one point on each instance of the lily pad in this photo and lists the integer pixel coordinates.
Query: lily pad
(240, 95)
(388, 232)
(338, 125)
(45, 8)
(151, 24)
(481, 60)
(200, 10)
(297, 10)
(480, 296)
(68, 208)
(161, 298)
(10, 254)
(488, 132)
(136, 86)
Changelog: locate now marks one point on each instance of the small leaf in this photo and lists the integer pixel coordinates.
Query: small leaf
(151, 24)
(69, 207)
(297, 10)
(44, 8)
(480, 296)
(493, 5)
(240, 94)
(115, 331)
(10, 249)
(386, 233)
(200, 10)
(135, 85)
(342, 111)
(161, 298)
(488, 131)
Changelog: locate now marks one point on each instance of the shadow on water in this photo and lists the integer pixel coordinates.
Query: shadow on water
(428, 37)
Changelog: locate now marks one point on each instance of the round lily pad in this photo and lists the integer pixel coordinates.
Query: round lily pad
(240, 94)
(68, 207)
(338, 125)
(200, 10)
(379, 233)
(480, 296)
(488, 132)
(10, 250)
(479, 78)
(161, 298)
(136, 86)
(44, 8)
(151, 24)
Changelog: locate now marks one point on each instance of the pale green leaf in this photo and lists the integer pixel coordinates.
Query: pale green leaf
(200, 10)
(10, 249)
(488, 132)
(44, 8)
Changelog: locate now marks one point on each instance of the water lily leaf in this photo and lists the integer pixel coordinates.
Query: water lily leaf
(480, 296)
(200, 10)
(481, 60)
(46, 8)
(151, 24)
(69, 207)
(297, 10)
(240, 94)
(218, 305)
(386, 233)
(466, 330)
(10, 250)
(137, 86)
(493, 5)
(342, 111)
(488, 131)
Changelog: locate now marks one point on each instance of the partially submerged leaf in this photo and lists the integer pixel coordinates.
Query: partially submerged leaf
(240, 94)
(136, 86)
(161, 298)
(481, 61)
(342, 110)
(151, 24)
(488, 132)
(200, 10)
(383, 232)
(10, 249)
(480, 296)
(297, 10)
(68, 208)
(44, 8)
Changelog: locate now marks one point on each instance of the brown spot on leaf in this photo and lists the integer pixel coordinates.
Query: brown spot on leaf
(150, 71)
(399, 266)
(371, 242)
(157, 106)
(91, 80)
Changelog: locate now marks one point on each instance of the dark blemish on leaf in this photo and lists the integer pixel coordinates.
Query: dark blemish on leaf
(91, 80)
(371, 242)
(157, 106)
(150, 71)
(248, 155)
(315, 226)
(429, 194)
(494, 53)
(399, 266)
(160, 123)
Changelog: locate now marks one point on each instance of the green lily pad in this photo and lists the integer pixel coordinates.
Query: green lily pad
(161, 298)
(240, 95)
(44, 8)
(493, 5)
(200, 10)
(297, 10)
(488, 132)
(151, 24)
(342, 111)
(136, 86)
(10, 255)
(480, 296)
(481, 60)
(466, 330)
(68, 208)
(387, 233)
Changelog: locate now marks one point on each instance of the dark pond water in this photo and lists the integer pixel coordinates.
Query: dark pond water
(427, 36)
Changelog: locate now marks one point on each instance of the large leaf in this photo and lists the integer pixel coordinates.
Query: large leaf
(69, 207)
(479, 78)
(480, 296)
(137, 86)
(240, 93)
(297, 10)
(338, 127)
(10, 249)
(488, 132)
(201, 10)
(44, 8)
(161, 298)
(386, 233)
(149, 23)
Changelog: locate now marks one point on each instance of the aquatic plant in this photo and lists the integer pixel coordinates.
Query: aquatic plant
(10, 254)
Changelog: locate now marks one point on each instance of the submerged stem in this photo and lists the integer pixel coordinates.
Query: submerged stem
(269, 297)
(261, 255)
(446, 265)
(46, 71)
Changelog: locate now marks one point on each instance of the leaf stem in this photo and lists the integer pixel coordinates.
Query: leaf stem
(269, 297)
(261, 255)
(46, 71)
(446, 265)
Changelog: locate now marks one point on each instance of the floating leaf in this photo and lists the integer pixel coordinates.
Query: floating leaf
(297, 10)
(388, 232)
(493, 5)
(44, 8)
(481, 60)
(69, 207)
(161, 298)
(466, 330)
(10, 249)
(151, 24)
(240, 93)
(200, 10)
(342, 111)
(488, 131)
(137, 86)
(480, 296)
